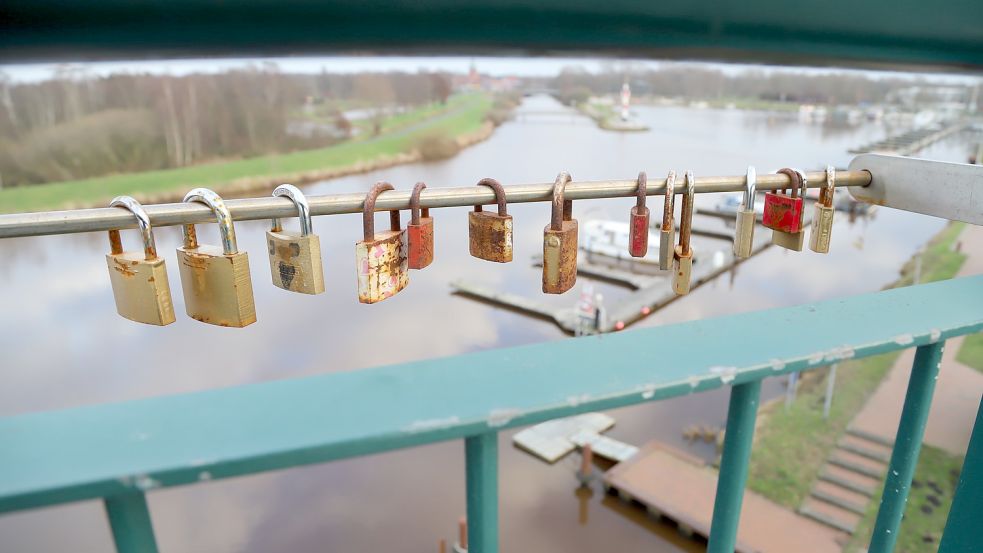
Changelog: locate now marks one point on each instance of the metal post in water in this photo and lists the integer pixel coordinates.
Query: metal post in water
(586, 463)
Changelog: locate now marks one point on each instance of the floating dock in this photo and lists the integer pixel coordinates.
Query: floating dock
(910, 142)
(552, 440)
(679, 487)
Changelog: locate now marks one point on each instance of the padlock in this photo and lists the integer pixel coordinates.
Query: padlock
(139, 279)
(667, 234)
(793, 240)
(419, 232)
(295, 258)
(490, 234)
(744, 233)
(682, 257)
(783, 212)
(380, 259)
(217, 286)
(638, 239)
(560, 242)
(822, 220)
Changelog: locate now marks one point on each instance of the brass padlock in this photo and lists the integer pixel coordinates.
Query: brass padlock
(667, 234)
(490, 234)
(822, 220)
(217, 286)
(380, 259)
(638, 228)
(295, 258)
(139, 279)
(419, 233)
(793, 240)
(682, 257)
(560, 243)
(744, 233)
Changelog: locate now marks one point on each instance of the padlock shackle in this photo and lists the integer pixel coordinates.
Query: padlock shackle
(143, 221)
(750, 184)
(804, 185)
(641, 191)
(667, 214)
(222, 215)
(368, 211)
(415, 204)
(303, 208)
(562, 210)
(686, 224)
(827, 193)
(499, 196)
(793, 176)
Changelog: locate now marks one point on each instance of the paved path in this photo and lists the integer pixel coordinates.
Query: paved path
(957, 391)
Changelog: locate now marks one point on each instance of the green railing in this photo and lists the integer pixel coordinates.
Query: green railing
(120, 452)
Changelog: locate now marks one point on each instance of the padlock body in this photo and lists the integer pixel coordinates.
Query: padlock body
(788, 240)
(381, 266)
(140, 287)
(420, 246)
(560, 258)
(490, 236)
(217, 286)
(666, 240)
(822, 228)
(295, 262)
(682, 270)
(744, 234)
(782, 212)
(638, 239)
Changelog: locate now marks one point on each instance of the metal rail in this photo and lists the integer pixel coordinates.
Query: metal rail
(104, 219)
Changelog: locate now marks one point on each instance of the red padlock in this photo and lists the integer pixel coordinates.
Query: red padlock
(783, 211)
(419, 232)
(638, 241)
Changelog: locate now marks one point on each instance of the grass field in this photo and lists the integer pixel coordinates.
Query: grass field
(467, 117)
(971, 352)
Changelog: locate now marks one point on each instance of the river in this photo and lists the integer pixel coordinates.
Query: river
(64, 345)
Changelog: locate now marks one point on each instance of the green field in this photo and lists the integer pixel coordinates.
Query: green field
(466, 117)
(971, 352)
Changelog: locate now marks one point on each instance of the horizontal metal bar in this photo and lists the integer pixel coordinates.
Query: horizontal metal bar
(104, 219)
(109, 449)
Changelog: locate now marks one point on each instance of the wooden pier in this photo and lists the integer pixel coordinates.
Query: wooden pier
(910, 142)
(681, 488)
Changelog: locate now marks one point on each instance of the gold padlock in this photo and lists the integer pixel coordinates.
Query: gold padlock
(793, 240)
(682, 258)
(744, 233)
(139, 279)
(560, 243)
(822, 220)
(490, 234)
(380, 259)
(217, 286)
(667, 234)
(295, 258)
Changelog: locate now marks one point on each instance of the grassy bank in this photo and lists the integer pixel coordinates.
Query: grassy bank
(468, 117)
(792, 445)
(971, 352)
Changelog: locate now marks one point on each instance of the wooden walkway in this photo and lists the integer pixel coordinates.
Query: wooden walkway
(681, 488)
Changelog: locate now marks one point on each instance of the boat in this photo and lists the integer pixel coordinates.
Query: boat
(610, 239)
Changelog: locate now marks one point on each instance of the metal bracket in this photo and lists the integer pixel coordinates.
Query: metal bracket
(938, 188)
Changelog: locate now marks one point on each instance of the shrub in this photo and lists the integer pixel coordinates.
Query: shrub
(436, 146)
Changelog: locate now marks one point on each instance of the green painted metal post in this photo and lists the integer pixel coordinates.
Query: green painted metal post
(481, 456)
(907, 445)
(962, 529)
(741, 412)
(129, 519)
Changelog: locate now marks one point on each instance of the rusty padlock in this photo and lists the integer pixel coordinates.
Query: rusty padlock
(217, 286)
(139, 279)
(667, 234)
(744, 231)
(822, 220)
(783, 211)
(295, 258)
(380, 259)
(560, 242)
(638, 239)
(793, 240)
(682, 258)
(419, 232)
(490, 234)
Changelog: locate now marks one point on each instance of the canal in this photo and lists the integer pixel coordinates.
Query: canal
(64, 345)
